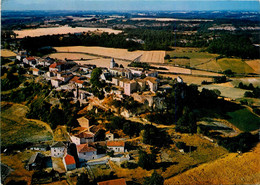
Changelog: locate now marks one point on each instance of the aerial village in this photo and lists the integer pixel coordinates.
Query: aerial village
(77, 149)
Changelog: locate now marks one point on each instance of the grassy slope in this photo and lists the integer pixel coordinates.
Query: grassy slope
(236, 65)
(16, 129)
(205, 152)
(195, 56)
(244, 120)
(232, 169)
(229, 92)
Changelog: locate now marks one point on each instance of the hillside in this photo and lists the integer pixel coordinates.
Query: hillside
(17, 130)
(232, 169)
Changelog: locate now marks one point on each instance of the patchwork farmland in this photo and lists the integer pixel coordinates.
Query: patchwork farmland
(123, 54)
(60, 30)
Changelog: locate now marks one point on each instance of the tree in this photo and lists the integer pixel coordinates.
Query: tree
(83, 179)
(187, 123)
(248, 94)
(228, 73)
(155, 179)
(147, 161)
(100, 135)
(95, 77)
(167, 57)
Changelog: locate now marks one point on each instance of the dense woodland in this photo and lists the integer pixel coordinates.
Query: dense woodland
(225, 44)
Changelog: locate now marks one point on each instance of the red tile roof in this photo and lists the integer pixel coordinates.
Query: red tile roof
(30, 58)
(69, 159)
(76, 80)
(85, 148)
(113, 182)
(115, 143)
(85, 135)
(35, 69)
(55, 64)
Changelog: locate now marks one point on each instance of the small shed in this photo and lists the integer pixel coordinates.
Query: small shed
(70, 163)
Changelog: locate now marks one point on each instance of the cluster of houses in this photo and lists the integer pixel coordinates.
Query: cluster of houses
(71, 76)
(76, 151)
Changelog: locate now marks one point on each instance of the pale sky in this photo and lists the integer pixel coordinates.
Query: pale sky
(252, 5)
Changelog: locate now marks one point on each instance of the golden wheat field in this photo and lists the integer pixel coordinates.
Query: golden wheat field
(153, 56)
(255, 65)
(72, 56)
(123, 54)
(60, 30)
(231, 169)
(7, 53)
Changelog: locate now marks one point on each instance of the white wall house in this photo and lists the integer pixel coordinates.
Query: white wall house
(56, 82)
(116, 146)
(58, 149)
(86, 152)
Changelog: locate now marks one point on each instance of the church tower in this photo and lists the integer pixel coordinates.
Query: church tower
(112, 63)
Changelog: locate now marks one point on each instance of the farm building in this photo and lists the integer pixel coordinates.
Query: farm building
(116, 146)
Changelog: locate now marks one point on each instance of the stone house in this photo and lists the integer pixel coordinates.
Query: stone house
(130, 87)
(85, 137)
(58, 149)
(152, 83)
(86, 152)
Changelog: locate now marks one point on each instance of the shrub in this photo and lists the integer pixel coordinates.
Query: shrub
(130, 165)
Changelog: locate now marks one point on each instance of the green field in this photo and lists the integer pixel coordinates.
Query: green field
(196, 57)
(244, 120)
(16, 129)
(236, 65)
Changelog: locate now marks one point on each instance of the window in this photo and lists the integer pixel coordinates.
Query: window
(54, 150)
